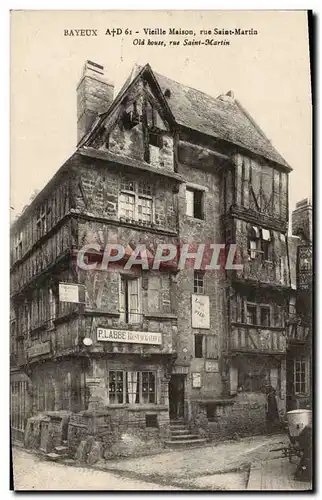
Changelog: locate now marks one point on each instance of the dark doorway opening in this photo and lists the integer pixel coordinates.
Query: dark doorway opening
(176, 396)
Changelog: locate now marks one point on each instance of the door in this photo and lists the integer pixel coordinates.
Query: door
(176, 396)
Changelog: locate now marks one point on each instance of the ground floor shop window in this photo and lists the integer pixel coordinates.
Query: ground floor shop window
(131, 387)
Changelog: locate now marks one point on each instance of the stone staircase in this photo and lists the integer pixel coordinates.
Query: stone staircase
(181, 436)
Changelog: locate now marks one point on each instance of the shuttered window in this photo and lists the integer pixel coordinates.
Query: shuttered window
(130, 303)
(211, 347)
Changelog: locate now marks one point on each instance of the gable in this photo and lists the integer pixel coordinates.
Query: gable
(139, 101)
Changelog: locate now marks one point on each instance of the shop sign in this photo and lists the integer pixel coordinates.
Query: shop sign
(39, 349)
(128, 336)
(212, 366)
(200, 311)
(196, 380)
(68, 292)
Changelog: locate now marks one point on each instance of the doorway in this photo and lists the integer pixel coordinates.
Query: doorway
(176, 396)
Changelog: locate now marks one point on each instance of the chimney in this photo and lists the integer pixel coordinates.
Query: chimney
(302, 219)
(94, 96)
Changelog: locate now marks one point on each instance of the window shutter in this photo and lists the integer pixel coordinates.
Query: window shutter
(133, 290)
(189, 202)
(122, 299)
(211, 347)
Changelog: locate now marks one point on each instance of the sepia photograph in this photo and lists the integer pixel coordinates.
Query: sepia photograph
(161, 250)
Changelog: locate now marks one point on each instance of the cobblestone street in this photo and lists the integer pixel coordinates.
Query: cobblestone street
(230, 465)
(34, 474)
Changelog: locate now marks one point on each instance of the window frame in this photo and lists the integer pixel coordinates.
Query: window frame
(262, 308)
(125, 314)
(41, 220)
(139, 390)
(199, 277)
(258, 314)
(201, 337)
(305, 362)
(137, 194)
(201, 192)
(262, 246)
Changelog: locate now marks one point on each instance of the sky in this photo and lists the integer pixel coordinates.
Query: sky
(268, 73)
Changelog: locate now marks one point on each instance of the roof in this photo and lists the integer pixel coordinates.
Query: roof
(221, 117)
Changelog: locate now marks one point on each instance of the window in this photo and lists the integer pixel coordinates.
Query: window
(41, 222)
(52, 305)
(116, 387)
(148, 387)
(155, 140)
(266, 244)
(257, 314)
(136, 202)
(131, 117)
(265, 316)
(199, 346)
(132, 387)
(151, 421)
(198, 282)
(251, 314)
(300, 376)
(127, 202)
(194, 203)
(130, 303)
(145, 209)
(18, 246)
(253, 242)
(259, 243)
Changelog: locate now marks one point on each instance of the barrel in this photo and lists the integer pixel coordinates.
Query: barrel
(297, 420)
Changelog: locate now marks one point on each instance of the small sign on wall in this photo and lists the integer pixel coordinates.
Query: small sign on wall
(200, 311)
(212, 366)
(68, 292)
(196, 380)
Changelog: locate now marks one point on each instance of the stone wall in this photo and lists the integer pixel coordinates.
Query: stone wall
(46, 430)
(116, 432)
(194, 232)
(243, 415)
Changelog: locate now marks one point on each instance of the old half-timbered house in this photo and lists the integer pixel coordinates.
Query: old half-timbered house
(120, 353)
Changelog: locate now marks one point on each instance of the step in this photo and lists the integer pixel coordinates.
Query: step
(178, 427)
(61, 449)
(190, 442)
(180, 432)
(185, 438)
(52, 456)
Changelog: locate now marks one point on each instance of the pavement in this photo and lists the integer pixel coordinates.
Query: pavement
(30, 473)
(230, 465)
(187, 466)
(276, 475)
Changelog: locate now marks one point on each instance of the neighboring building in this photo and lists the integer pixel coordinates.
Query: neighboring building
(162, 163)
(299, 346)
